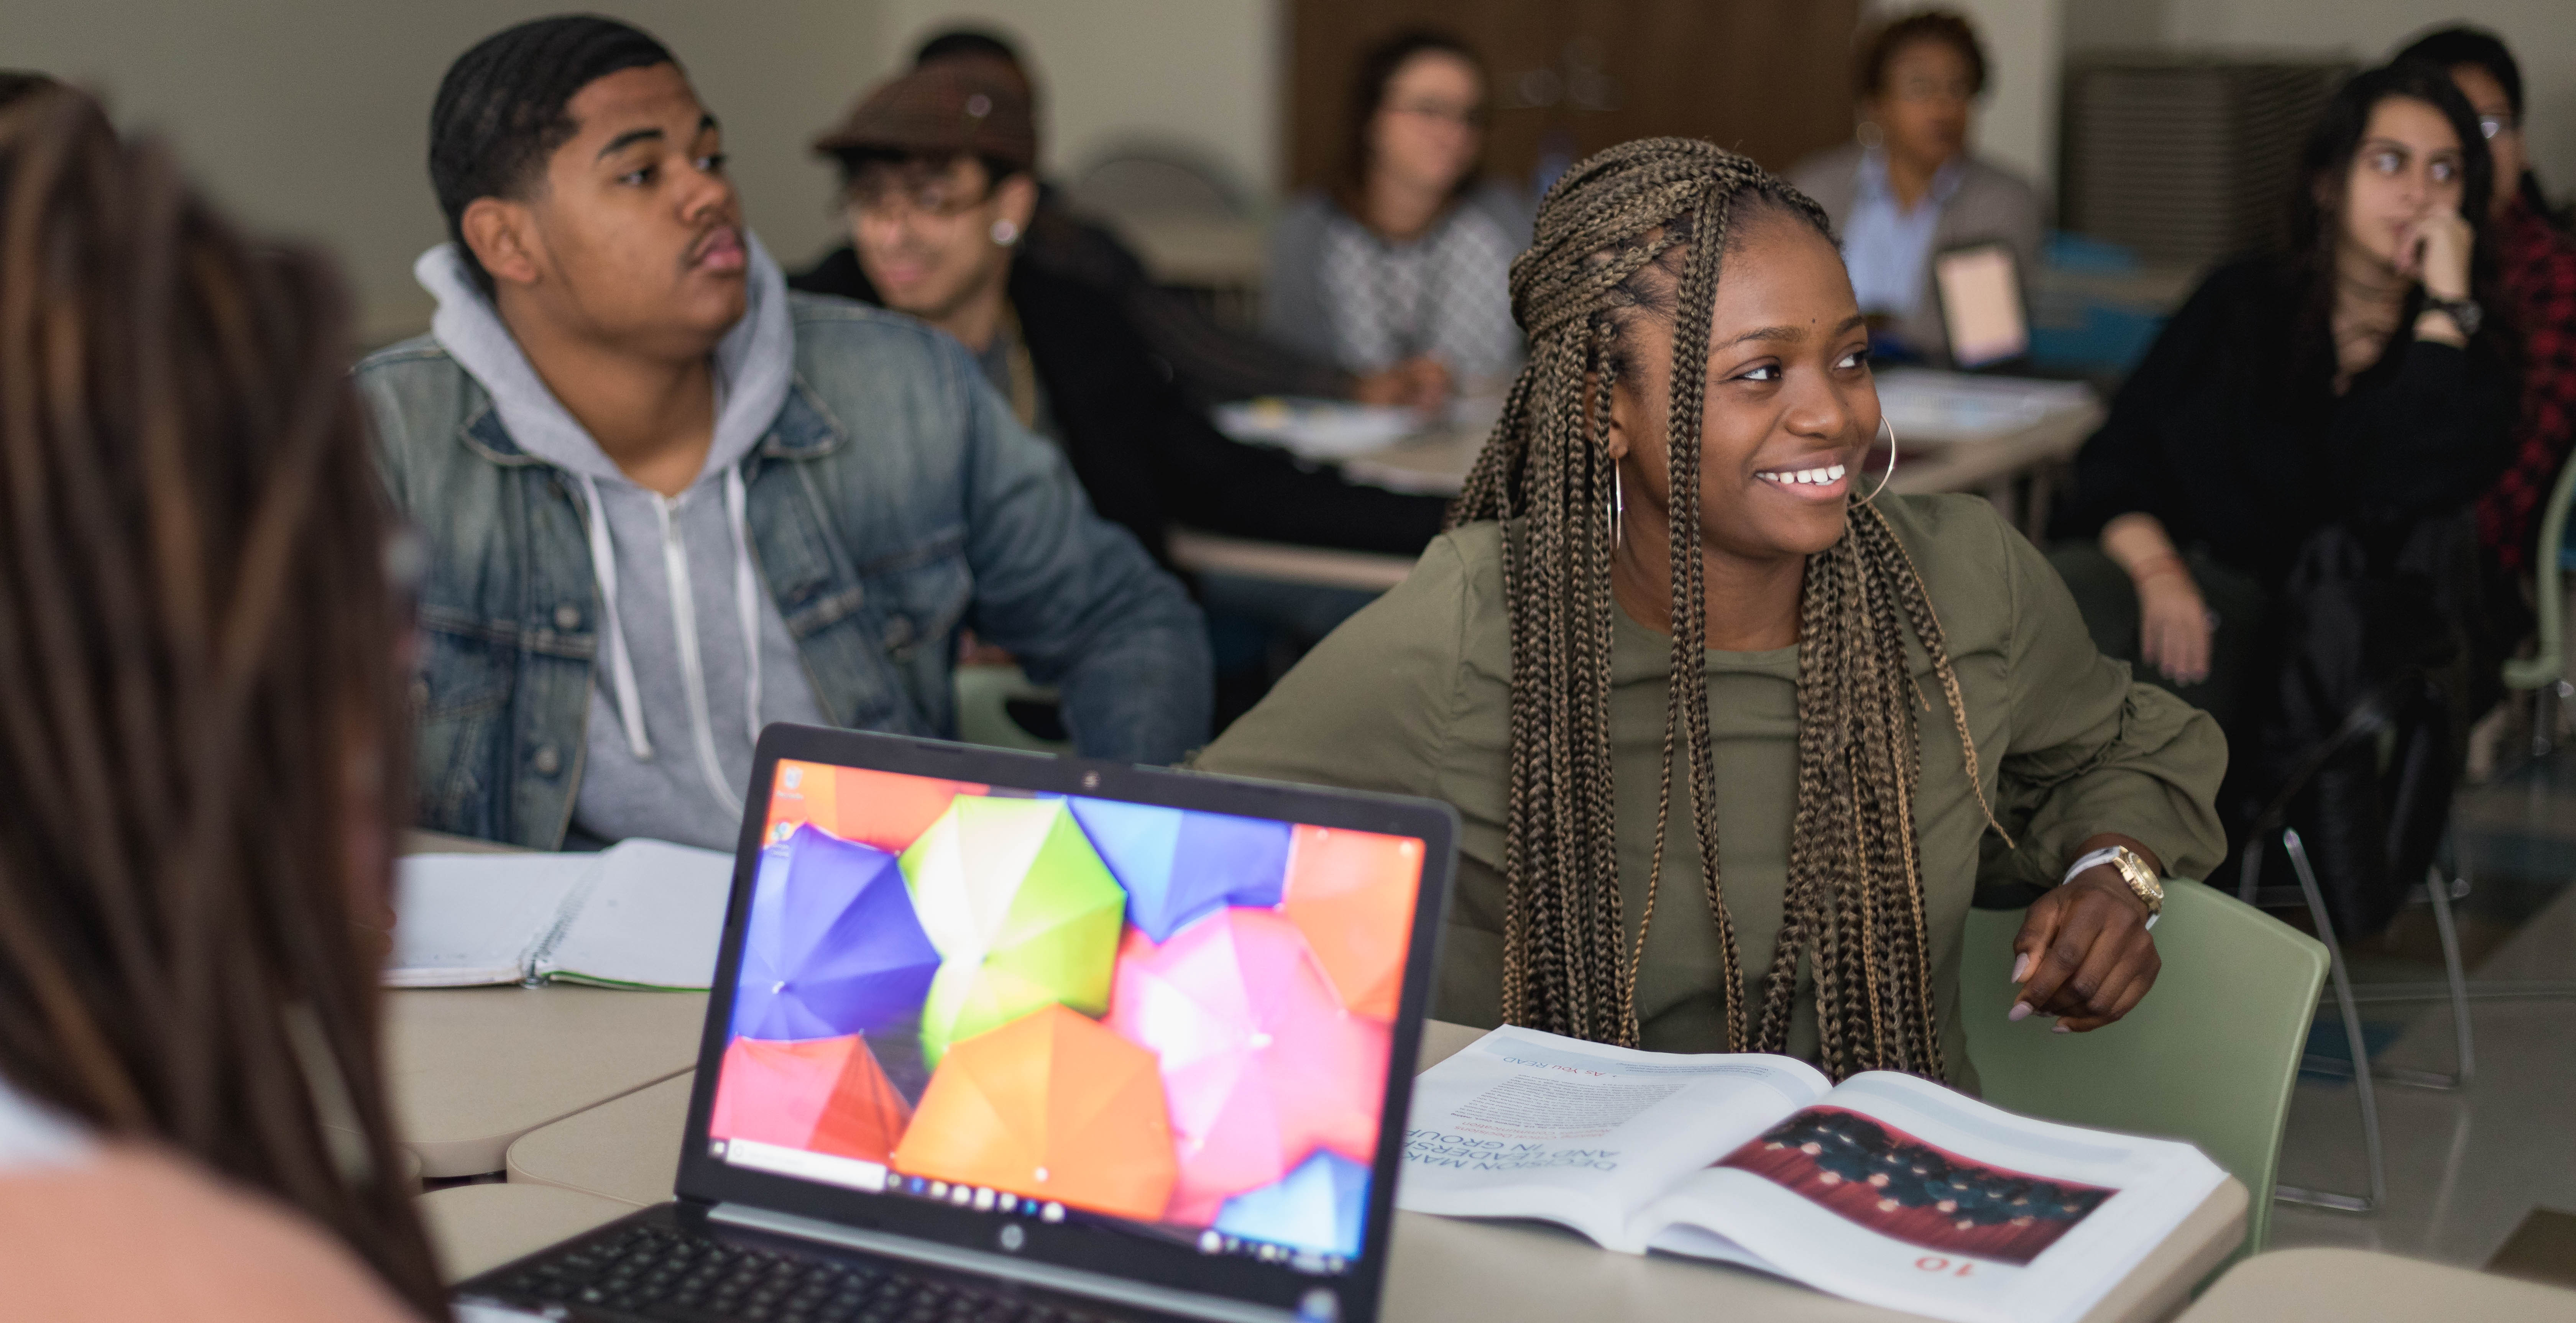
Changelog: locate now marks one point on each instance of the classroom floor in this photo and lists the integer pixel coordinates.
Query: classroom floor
(2466, 1169)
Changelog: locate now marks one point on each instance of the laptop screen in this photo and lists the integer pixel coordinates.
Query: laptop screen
(1981, 308)
(1170, 1023)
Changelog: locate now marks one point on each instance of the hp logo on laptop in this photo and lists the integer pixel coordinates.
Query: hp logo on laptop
(1013, 1237)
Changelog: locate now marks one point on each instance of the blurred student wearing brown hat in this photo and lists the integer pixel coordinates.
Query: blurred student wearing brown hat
(1208, 359)
(939, 196)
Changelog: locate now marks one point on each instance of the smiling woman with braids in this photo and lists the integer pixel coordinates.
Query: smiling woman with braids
(1731, 779)
(202, 723)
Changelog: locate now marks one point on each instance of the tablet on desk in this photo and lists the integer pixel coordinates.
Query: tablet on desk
(1982, 312)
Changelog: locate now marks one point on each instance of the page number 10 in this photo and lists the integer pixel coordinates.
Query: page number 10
(1935, 1263)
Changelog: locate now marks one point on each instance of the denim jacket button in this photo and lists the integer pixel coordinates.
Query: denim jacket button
(567, 616)
(548, 762)
(419, 695)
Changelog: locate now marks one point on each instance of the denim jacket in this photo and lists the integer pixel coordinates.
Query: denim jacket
(893, 503)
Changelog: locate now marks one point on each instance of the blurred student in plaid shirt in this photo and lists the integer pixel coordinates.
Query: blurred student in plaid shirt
(2536, 269)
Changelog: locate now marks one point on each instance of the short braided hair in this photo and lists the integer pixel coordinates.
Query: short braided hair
(1635, 230)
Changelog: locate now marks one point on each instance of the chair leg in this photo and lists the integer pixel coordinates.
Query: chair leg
(2371, 1153)
(2464, 1058)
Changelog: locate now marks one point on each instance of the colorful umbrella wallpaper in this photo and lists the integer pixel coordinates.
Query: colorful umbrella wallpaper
(1260, 1063)
(824, 1095)
(1158, 1014)
(833, 947)
(1022, 910)
(1178, 865)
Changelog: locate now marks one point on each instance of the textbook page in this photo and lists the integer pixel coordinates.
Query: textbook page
(651, 918)
(1529, 1124)
(462, 920)
(1900, 1193)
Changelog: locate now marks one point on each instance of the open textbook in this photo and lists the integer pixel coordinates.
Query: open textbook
(1884, 1189)
(641, 914)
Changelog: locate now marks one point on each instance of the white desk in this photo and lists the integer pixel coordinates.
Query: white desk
(2352, 1286)
(625, 1154)
(1437, 462)
(472, 1069)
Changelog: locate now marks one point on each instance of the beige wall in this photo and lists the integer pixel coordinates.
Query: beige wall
(309, 117)
(1201, 73)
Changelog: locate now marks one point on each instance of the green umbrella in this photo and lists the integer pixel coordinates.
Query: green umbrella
(1022, 911)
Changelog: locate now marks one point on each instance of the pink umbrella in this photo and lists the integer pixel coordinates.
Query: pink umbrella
(823, 1095)
(1261, 1064)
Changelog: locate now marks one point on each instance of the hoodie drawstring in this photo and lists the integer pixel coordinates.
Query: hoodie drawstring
(746, 584)
(621, 666)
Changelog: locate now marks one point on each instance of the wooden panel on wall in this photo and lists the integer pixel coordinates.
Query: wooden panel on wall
(1770, 78)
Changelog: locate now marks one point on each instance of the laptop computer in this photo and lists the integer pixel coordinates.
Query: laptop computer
(997, 1035)
(1983, 314)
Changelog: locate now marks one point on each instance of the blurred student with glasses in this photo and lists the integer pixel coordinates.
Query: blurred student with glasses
(1404, 262)
(1906, 189)
(940, 202)
(2535, 274)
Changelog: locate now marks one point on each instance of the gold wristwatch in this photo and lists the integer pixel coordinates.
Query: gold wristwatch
(2132, 870)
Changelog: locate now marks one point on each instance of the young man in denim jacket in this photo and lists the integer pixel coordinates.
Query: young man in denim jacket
(667, 502)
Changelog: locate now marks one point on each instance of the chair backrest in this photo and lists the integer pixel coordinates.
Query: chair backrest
(2545, 664)
(2210, 1056)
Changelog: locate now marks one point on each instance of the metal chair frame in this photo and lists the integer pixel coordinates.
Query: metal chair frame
(2368, 719)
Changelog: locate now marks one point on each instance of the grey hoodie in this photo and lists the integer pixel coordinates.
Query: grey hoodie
(675, 703)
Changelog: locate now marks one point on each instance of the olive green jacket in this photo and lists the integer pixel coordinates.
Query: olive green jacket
(1413, 696)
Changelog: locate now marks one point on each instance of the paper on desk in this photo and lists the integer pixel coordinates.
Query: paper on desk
(653, 920)
(463, 920)
(640, 914)
(1925, 405)
(1316, 429)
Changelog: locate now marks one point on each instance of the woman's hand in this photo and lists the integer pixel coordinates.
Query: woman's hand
(2435, 251)
(2084, 954)
(2173, 622)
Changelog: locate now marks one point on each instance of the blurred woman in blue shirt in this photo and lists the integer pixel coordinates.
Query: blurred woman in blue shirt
(1906, 189)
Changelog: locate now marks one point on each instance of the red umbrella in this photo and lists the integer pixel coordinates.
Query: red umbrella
(823, 1095)
(1260, 1062)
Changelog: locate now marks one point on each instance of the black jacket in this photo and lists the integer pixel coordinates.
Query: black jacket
(1145, 456)
(2231, 434)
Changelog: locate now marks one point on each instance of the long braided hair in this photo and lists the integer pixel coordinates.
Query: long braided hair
(201, 700)
(1610, 234)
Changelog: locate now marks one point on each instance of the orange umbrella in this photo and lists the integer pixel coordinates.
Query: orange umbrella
(823, 1095)
(1352, 893)
(885, 809)
(1053, 1105)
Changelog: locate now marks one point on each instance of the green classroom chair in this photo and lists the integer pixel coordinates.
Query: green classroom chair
(2209, 1056)
(984, 695)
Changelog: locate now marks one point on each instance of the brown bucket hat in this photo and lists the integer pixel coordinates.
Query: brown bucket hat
(946, 107)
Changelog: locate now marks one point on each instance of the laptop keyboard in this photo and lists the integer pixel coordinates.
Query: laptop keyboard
(661, 1272)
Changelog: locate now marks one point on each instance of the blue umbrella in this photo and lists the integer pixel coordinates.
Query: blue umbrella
(1180, 864)
(834, 947)
(1319, 1206)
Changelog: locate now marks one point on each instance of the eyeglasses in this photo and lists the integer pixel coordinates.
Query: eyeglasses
(886, 197)
(1465, 117)
(2491, 125)
(1935, 89)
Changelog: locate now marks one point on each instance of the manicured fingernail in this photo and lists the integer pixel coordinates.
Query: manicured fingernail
(2020, 1011)
(2021, 966)
(2060, 1028)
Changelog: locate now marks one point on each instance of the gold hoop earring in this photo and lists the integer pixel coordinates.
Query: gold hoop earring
(1890, 475)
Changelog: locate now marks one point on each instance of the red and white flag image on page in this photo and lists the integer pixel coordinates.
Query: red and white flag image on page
(1884, 1189)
